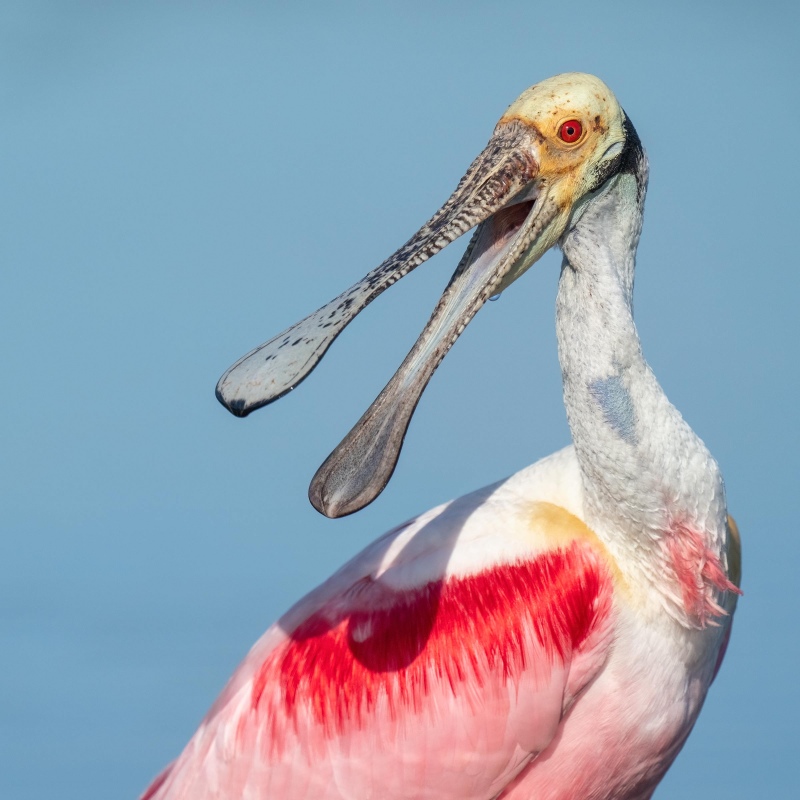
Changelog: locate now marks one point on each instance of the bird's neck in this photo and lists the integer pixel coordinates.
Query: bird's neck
(652, 490)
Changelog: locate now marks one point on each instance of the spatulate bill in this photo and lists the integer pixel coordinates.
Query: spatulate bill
(357, 471)
(274, 368)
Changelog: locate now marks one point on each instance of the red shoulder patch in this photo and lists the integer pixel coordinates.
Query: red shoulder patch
(377, 643)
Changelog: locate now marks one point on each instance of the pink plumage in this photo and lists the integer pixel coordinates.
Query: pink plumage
(551, 637)
(433, 677)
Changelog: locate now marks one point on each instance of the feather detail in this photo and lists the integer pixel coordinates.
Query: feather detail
(700, 575)
(392, 646)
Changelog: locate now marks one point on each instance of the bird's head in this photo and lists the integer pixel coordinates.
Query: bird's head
(573, 134)
(558, 146)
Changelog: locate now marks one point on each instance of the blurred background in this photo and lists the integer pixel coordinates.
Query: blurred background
(181, 181)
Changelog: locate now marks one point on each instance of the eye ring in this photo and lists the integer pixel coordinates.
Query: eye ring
(570, 131)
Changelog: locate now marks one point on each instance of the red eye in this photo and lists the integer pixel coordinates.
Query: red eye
(571, 131)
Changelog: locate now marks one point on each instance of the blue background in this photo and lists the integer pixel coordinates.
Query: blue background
(181, 181)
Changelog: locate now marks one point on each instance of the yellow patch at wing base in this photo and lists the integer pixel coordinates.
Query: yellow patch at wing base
(562, 528)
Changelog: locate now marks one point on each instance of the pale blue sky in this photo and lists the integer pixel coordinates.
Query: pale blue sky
(178, 182)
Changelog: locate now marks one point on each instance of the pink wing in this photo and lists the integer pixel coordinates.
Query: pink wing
(448, 689)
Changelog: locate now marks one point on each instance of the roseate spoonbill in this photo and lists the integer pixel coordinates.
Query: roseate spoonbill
(551, 636)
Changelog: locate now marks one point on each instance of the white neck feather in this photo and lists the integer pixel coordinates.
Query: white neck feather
(646, 475)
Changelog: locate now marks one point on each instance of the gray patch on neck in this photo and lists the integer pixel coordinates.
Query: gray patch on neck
(617, 406)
